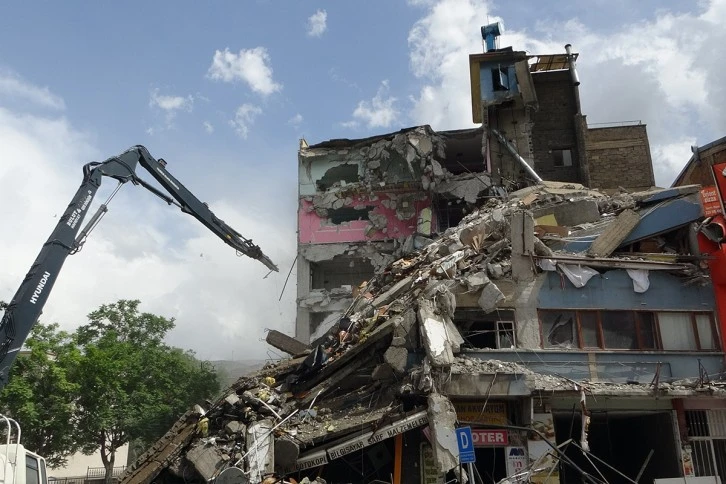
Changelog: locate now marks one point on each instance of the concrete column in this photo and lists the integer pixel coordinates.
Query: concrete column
(522, 230)
(526, 282)
(302, 321)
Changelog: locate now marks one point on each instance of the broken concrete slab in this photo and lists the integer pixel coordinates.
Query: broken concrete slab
(286, 453)
(206, 459)
(490, 297)
(442, 422)
(407, 329)
(571, 213)
(285, 343)
(614, 234)
(231, 399)
(235, 427)
(393, 292)
(434, 333)
(397, 358)
(260, 449)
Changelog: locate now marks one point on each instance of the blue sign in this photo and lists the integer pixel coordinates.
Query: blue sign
(466, 445)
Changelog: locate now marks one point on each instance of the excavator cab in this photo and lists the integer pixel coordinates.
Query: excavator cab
(17, 464)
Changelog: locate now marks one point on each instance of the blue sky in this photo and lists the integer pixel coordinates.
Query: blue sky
(224, 90)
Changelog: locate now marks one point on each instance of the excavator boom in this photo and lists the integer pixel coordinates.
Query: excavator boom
(67, 238)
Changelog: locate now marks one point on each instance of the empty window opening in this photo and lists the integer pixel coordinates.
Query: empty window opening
(349, 214)
(562, 157)
(628, 330)
(338, 175)
(449, 212)
(340, 271)
(500, 78)
(480, 330)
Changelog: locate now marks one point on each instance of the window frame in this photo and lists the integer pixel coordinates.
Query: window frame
(639, 319)
(562, 157)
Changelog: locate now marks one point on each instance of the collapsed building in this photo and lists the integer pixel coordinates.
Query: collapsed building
(581, 352)
(570, 323)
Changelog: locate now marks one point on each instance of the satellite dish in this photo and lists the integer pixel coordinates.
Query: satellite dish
(232, 475)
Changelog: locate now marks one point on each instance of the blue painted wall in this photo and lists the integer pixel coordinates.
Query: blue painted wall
(614, 290)
(487, 87)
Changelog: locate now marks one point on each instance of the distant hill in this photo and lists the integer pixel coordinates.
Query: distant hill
(230, 371)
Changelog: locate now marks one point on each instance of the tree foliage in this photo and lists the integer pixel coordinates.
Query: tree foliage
(132, 385)
(111, 382)
(41, 396)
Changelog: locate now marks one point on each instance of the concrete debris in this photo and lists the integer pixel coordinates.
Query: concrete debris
(285, 343)
(442, 421)
(394, 345)
(614, 234)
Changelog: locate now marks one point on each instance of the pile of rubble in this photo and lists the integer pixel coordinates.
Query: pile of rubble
(380, 369)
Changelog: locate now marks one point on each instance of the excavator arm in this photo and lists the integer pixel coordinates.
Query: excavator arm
(67, 238)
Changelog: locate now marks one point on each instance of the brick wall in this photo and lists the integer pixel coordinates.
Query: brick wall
(699, 172)
(554, 126)
(619, 156)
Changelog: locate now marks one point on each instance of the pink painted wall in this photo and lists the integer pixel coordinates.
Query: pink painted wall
(314, 230)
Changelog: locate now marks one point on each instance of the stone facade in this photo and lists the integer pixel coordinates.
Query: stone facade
(619, 156)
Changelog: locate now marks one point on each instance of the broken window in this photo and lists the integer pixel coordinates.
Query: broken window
(486, 330)
(500, 78)
(559, 329)
(348, 214)
(562, 157)
(629, 330)
(618, 329)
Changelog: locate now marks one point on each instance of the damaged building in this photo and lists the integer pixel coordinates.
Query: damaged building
(583, 352)
(571, 324)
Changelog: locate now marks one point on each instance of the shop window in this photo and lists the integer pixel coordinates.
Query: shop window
(562, 157)
(628, 330)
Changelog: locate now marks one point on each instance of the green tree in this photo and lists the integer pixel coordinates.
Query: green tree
(41, 397)
(132, 385)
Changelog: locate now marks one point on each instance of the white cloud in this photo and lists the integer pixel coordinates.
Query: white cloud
(671, 158)
(317, 23)
(251, 66)
(295, 120)
(221, 302)
(654, 70)
(244, 117)
(208, 127)
(12, 86)
(170, 104)
(379, 112)
(440, 44)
